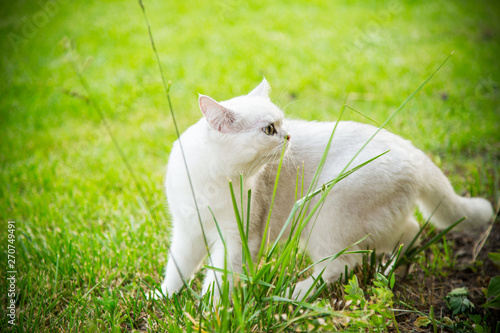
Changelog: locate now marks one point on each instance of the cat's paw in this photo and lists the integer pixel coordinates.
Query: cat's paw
(301, 289)
(157, 294)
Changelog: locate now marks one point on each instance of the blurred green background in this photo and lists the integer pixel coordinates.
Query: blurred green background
(78, 211)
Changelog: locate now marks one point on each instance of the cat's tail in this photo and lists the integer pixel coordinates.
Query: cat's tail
(439, 202)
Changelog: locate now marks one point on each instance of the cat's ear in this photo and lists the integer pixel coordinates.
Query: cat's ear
(217, 116)
(261, 90)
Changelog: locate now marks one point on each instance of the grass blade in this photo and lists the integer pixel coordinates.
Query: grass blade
(407, 257)
(247, 257)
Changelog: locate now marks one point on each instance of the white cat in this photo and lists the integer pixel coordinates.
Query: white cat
(246, 135)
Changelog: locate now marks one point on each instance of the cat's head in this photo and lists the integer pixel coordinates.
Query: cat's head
(248, 127)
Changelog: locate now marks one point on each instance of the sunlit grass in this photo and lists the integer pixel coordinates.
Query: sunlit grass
(87, 247)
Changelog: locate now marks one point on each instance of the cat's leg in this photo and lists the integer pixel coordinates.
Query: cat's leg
(229, 259)
(402, 233)
(185, 255)
(213, 279)
(329, 271)
(408, 234)
(410, 231)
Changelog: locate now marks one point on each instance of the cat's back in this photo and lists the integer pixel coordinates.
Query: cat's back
(309, 140)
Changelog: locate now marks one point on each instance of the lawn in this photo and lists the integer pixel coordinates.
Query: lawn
(91, 232)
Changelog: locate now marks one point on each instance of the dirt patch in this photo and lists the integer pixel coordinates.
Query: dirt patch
(421, 290)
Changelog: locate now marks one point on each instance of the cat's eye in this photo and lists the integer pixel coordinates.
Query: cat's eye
(269, 129)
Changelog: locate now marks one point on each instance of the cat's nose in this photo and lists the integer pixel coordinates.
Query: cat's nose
(287, 137)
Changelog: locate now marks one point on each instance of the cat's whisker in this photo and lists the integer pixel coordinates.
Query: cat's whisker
(266, 159)
(290, 156)
(274, 156)
(289, 159)
(281, 97)
(269, 157)
(284, 108)
(260, 162)
(257, 163)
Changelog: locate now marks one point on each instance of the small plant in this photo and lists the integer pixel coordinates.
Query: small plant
(373, 309)
(495, 258)
(493, 293)
(458, 302)
(466, 317)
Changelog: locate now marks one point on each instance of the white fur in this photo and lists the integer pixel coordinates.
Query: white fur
(379, 199)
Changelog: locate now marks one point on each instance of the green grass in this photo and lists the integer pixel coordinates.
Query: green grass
(87, 245)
